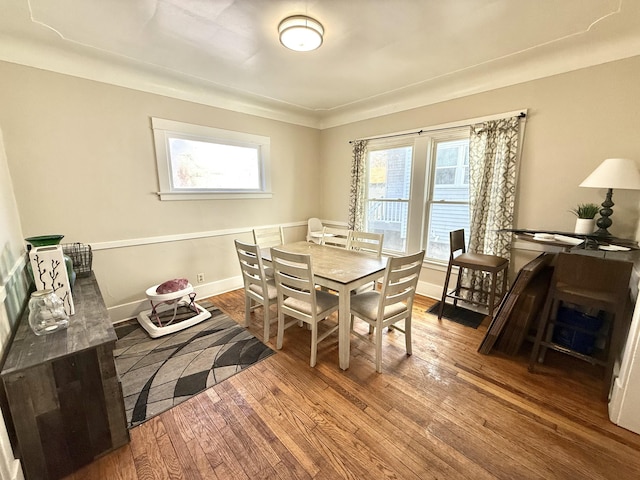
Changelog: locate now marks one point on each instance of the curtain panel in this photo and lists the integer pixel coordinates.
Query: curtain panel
(358, 185)
(493, 151)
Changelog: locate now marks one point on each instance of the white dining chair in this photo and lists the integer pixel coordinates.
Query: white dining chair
(268, 237)
(314, 230)
(391, 304)
(335, 237)
(298, 298)
(365, 242)
(258, 289)
(369, 244)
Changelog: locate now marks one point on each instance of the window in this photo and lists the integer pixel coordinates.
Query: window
(418, 184)
(387, 199)
(197, 162)
(448, 199)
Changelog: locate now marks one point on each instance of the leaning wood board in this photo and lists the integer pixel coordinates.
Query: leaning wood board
(62, 390)
(524, 277)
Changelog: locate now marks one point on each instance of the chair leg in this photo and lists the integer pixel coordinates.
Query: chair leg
(492, 292)
(314, 343)
(247, 311)
(378, 341)
(407, 334)
(544, 318)
(444, 291)
(280, 329)
(267, 321)
(458, 285)
(503, 292)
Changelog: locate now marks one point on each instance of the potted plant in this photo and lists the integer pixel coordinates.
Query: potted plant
(586, 212)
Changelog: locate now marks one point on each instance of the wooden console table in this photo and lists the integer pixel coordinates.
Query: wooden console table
(63, 392)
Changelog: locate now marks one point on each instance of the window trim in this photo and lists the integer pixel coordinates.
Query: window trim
(164, 129)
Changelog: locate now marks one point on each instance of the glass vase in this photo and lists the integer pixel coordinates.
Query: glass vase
(46, 312)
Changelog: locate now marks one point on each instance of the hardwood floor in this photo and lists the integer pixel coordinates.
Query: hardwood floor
(446, 412)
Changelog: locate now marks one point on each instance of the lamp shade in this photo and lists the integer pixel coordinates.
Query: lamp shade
(300, 33)
(614, 173)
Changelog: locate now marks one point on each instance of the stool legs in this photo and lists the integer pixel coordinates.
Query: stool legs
(444, 291)
(492, 292)
(544, 320)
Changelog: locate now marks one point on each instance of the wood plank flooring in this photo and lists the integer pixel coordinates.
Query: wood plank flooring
(446, 412)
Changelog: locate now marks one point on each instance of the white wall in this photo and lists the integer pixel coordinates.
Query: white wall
(13, 291)
(81, 156)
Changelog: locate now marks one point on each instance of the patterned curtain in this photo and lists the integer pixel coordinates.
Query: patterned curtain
(493, 148)
(358, 185)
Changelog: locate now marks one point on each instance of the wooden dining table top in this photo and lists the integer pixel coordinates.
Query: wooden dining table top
(338, 264)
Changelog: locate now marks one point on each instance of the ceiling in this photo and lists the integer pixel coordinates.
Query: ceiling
(378, 56)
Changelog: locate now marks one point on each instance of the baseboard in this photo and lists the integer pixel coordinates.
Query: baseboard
(130, 310)
(430, 290)
(120, 313)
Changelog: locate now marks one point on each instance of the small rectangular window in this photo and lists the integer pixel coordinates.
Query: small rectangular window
(198, 162)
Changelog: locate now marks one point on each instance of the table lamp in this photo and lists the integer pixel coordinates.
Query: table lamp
(612, 173)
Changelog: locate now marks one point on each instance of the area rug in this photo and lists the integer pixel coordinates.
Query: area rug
(159, 373)
(460, 315)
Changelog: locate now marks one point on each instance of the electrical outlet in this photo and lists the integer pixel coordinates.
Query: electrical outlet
(200, 277)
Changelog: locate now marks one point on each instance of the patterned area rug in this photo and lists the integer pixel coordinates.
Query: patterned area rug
(159, 373)
(460, 315)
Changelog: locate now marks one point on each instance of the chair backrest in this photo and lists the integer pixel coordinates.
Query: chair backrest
(335, 237)
(400, 281)
(293, 275)
(314, 225)
(365, 242)
(268, 237)
(251, 267)
(314, 230)
(456, 242)
(593, 273)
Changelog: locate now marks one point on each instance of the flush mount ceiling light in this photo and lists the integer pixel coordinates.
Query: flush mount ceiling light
(300, 33)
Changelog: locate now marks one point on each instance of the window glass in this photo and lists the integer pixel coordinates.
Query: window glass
(205, 165)
(198, 162)
(449, 202)
(388, 189)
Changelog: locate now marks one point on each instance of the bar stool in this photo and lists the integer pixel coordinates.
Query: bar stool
(595, 283)
(492, 264)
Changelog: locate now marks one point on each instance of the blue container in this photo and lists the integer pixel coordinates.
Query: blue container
(582, 341)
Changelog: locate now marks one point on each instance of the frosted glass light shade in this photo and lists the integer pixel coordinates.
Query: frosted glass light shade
(614, 173)
(300, 33)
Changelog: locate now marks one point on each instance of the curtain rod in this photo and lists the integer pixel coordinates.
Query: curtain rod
(421, 131)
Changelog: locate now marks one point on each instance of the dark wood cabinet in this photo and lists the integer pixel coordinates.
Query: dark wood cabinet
(62, 390)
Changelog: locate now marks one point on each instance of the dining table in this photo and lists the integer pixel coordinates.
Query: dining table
(340, 270)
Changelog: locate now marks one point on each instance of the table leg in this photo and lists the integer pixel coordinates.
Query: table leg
(344, 322)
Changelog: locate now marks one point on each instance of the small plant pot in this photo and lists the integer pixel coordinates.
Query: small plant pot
(585, 225)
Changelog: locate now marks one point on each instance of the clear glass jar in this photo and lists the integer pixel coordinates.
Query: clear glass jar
(46, 312)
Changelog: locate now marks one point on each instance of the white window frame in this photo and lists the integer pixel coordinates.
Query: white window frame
(422, 173)
(434, 139)
(164, 130)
